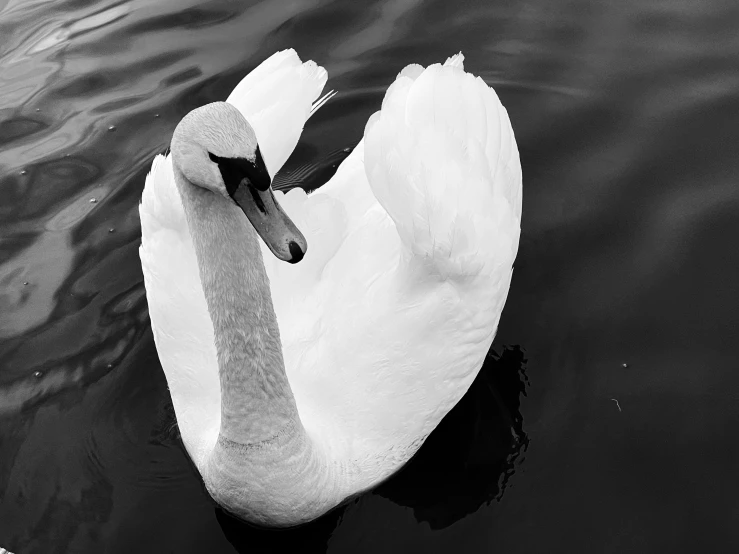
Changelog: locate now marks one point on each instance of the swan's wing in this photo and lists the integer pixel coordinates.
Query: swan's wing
(276, 98)
(442, 160)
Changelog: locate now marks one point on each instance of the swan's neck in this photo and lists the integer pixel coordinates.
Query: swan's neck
(257, 404)
(264, 466)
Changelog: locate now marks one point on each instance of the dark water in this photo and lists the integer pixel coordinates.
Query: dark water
(604, 420)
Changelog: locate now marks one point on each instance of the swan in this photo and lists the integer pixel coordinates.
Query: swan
(297, 386)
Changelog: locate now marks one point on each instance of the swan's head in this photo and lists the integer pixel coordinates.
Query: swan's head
(215, 148)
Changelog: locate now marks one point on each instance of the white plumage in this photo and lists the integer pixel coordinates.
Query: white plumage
(386, 321)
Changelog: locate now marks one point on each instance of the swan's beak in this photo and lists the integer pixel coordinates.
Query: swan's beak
(249, 184)
(269, 220)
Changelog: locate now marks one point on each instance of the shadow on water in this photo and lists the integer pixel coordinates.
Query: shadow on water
(468, 459)
(311, 538)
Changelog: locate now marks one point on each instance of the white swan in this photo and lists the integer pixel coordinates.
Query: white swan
(383, 325)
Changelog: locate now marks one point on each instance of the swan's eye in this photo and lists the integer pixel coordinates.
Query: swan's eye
(235, 170)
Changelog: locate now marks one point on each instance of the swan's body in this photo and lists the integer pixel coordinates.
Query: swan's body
(383, 325)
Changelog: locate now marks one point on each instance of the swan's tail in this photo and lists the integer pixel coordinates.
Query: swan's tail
(441, 159)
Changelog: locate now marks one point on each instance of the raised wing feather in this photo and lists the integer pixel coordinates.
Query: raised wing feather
(276, 98)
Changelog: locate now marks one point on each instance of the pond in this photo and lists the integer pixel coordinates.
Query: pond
(603, 419)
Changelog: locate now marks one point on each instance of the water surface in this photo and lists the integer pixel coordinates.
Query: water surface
(604, 418)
